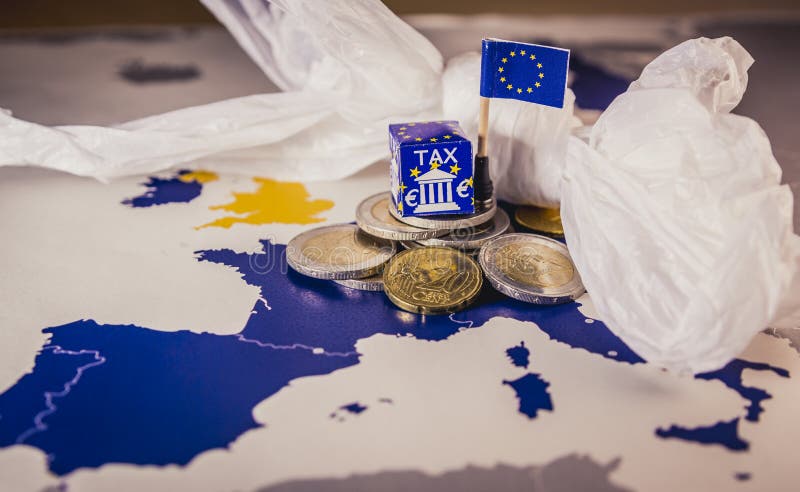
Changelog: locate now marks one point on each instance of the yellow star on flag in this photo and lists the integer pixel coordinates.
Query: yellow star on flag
(414, 172)
(418, 139)
(522, 52)
(538, 65)
(402, 188)
(406, 136)
(502, 79)
(504, 60)
(530, 90)
(455, 169)
(399, 206)
(433, 139)
(435, 165)
(537, 84)
(403, 128)
(519, 91)
(473, 200)
(469, 182)
(533, 57)
(513, 54)
(509, 86)
(541, 75)
(447, 137)
(412, 124)
(500, 69)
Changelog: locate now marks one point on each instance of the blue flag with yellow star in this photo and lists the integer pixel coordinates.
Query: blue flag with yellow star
(528, 72)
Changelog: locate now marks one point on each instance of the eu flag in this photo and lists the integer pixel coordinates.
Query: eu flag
(528, 72)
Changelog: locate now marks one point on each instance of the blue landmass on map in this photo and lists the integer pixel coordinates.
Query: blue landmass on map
(300, 309)
(723, 433)
(532, 394)
(726, 433)
(355, 408)
(27, 398)
(161, 191)
(731, 376)
(519, 355)
(159, 398)
(162, 398)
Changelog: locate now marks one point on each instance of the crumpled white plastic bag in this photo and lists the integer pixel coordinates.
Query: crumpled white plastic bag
(348, 68)
(675, 216)
(331, 58)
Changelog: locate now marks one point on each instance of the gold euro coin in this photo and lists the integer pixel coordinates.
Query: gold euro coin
(545, 221)
(432, 280)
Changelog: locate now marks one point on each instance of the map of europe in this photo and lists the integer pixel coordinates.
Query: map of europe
(153, 414)
(168, 397)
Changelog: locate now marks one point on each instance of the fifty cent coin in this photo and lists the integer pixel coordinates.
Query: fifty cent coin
(432, 280)
(373, 217)
(339, 251)
(531, 268)
(545, 221)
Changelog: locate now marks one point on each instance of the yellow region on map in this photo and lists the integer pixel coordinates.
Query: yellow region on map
(199, 176)
(273, 201)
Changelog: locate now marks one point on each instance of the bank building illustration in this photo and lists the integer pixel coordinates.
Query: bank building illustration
(436, 192)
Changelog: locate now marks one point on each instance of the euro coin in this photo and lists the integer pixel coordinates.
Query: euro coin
(417, 244)
(545, 221)
(337, 252)
(472, 238)
(447, 222)
(531, 268)
(432, 280)
(411, 244)
(373, 283)
(373, 217)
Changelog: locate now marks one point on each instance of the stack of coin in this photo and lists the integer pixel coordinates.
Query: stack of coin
(437, 271)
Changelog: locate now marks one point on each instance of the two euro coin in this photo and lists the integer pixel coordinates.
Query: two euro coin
(531, 268)
(338, 252)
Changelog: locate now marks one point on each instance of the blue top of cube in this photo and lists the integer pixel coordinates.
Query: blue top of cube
(421, 132)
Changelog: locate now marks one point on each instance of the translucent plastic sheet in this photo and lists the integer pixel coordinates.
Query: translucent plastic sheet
(675, 215)
(330, 57)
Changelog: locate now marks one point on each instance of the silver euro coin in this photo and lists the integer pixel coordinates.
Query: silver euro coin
(473, 237)
(373, 283)
(447, 222)
(336, 252)
(531, 268)
(373, 217)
